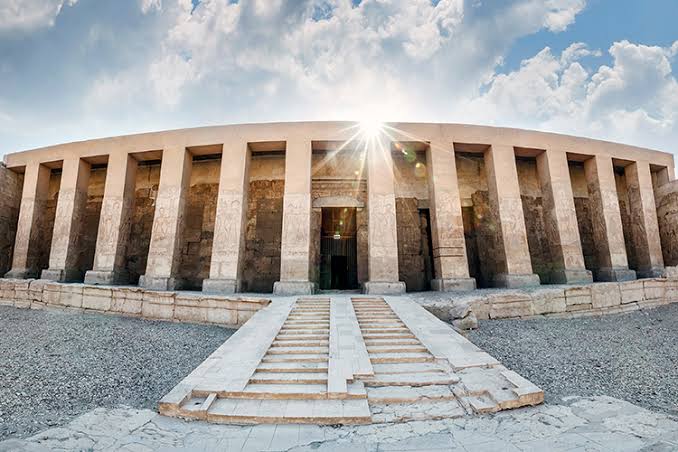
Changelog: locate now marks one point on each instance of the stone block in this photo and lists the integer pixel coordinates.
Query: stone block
(450, 285)
(512, 281)
(158, 297)
(579, 307)
(294, 288)
(604, 295)
(127, 300)
(578, 295)
(190, 314)
(615, 274)
(221, 286)
(631, 291)
(655, 289)
(21, 291)
(481, 308)
(35, 290)
(384, 288)
(511, 310)
(548, 301)
(186, 300)
(671, 272)
(7, 292)
(571, 277)
(228, 317)
(157, 311)
(51, 294)
(71, 295)
(97, 298)
(672, 290)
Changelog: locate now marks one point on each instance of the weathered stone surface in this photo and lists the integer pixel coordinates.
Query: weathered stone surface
(605, 295)
(632, 291)
(548, 301)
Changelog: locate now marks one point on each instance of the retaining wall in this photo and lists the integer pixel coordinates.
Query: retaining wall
(463, 310)
(130, 301)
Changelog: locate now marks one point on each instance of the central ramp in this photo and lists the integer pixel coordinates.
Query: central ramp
(342, 360)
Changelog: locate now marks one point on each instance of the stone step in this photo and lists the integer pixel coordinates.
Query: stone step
(388, 336)
(296, 367)
(308, 343)
(396, 348)
(379, 320)
(369, 330)
(295, 358)
(409, 394)
(369, 342)
(300, 337)
(297, 350)
(356, 390)
(401, 357)
(325, 412)
(304, 331)
(407, 368)
(411, 379)
(289, 377)
(420, 411)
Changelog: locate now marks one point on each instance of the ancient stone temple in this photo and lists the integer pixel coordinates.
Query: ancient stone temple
(293, 208)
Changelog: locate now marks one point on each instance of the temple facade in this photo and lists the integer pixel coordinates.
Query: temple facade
(293, 208)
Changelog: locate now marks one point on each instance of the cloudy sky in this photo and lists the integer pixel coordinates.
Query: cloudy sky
(76, 69)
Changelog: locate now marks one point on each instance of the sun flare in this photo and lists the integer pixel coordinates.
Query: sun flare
(371, 128)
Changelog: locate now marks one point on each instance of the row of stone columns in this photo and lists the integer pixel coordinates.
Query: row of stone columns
(449, 248)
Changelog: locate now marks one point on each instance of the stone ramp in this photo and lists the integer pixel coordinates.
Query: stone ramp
(342, 360)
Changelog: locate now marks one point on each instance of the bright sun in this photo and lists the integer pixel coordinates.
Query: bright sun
(371, 128)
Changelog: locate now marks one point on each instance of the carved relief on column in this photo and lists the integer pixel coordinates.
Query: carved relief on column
(606, 219)
(33, 200)
(504, 191)
(295, 250)
(381, 210)
(447, 226)
(229, 229)
(63, 258)
(644, 224)
(560, 219)
(164, 250)
(114, 222)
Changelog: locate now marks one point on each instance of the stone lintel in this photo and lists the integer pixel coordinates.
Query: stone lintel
(513, 281)
(384, 288)
(221, 286)
(106, 277)
(294, 288)
(453, 284)
(571, 277)
(615, 274)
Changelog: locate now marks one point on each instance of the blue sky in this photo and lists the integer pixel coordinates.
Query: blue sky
(78, 69)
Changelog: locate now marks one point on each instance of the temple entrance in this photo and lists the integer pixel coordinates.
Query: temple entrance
(338, 249)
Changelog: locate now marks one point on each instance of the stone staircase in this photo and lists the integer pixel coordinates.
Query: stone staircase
(346, 361)
(408, 382)
(290, 384)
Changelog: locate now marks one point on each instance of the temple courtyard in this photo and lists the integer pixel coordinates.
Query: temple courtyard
(82, 381)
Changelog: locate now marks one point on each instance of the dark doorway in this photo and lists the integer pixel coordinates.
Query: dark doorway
(338, 249)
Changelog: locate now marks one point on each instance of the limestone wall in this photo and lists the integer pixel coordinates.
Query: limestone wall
(130, 301)
(11, 185)
(557, 301)
(415, 262)
(667, 214)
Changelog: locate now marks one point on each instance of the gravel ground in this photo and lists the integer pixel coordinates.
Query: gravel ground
(628, 356)
(57, 365)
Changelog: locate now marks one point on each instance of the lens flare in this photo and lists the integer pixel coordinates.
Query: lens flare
(371, 128)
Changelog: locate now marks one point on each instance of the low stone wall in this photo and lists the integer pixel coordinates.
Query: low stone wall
(464, 309)
(130, 301)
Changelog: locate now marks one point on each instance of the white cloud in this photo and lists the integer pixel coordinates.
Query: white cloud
(151, 5)
(561, 14)
(27, 15)
(633, 100)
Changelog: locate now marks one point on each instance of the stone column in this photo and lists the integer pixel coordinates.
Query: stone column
(228, 247)
(447, 226)
(515, 266)
(606, 219)
(560, 219)
(382, 239)
(295, 250)
(164, 254)
(63, 257)
(644, 224)
(28, 234)
(114, 221)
